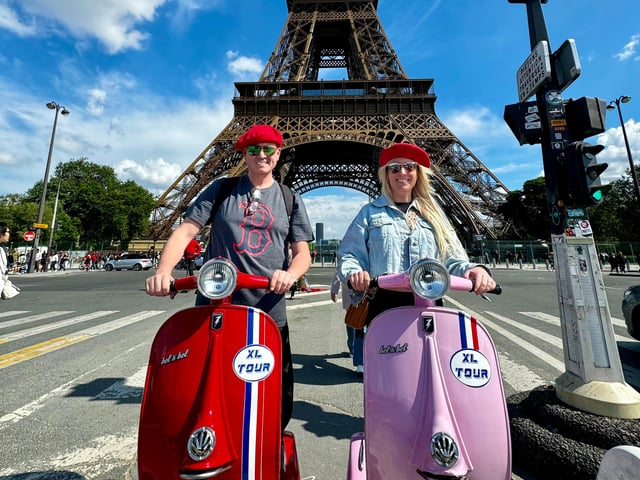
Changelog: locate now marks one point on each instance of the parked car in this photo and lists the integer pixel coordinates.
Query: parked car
(129, 261)
(631, 310)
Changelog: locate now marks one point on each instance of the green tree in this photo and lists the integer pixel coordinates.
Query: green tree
(97, 208)
(526, 210)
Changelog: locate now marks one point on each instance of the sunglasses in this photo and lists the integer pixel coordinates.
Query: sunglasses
(255, 150)
(396, 167)
(255, 201)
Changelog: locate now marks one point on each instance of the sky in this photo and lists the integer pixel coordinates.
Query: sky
(149, 83)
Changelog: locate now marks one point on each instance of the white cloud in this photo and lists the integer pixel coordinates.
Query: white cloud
(334, 210)
(114, 24)
(244, 66)
(629, 49)
(615, 152)
(9, 20)
(477, 122)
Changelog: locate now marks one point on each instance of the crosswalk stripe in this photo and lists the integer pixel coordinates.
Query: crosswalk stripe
(546, 337)
(12, 313)
(553, 320)
(53, 326)
(34, 318)
(42, 348)
(310, 305)
(541, 354)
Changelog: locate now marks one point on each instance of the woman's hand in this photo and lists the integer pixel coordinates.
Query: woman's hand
(360, 281)
(482, 280)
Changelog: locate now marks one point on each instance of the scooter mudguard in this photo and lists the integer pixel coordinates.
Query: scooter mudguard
(434, 400)
(357, 466)
(211, 405)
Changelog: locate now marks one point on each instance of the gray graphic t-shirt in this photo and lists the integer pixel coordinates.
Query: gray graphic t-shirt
(254, 234)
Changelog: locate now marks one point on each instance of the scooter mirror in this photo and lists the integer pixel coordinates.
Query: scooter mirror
(429, 279)
(217, 279)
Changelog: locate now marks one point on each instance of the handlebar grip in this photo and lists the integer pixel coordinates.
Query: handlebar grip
(497, 290)
(184, 283)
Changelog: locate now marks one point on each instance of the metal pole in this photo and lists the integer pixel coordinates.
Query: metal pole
(53, 222)
(43, 197)
(636, 189)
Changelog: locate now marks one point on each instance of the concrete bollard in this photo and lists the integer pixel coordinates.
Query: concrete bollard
(620, 463)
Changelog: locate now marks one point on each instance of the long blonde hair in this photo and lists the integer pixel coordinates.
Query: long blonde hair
(446, 238)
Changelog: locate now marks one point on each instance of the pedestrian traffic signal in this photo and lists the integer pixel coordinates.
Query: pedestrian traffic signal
(580, 181)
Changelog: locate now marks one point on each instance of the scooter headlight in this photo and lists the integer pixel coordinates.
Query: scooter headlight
(429, 279)
(217, 279)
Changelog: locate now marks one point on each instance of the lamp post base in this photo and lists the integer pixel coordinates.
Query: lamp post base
(609, 399)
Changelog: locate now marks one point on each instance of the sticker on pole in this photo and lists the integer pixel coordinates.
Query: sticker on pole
(254, 363)
(535, 71)
(470, 367)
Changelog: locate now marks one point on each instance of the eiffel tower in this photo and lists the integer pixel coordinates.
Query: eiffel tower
(334, 130)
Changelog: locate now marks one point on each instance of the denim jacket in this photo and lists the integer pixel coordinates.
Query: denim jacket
(380, 241)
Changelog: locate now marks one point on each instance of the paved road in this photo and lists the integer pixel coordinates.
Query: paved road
(73, 351)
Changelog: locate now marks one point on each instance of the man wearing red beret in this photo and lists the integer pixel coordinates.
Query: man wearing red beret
(252, 228)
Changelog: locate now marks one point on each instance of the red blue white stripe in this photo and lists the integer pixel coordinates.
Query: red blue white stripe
(252, 391)
(468, 331)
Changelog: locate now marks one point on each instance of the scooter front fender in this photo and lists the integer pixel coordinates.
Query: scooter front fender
(433, 371)
(211, 405)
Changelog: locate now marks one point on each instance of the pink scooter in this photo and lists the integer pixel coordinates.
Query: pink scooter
(212, 398)
(434, 402)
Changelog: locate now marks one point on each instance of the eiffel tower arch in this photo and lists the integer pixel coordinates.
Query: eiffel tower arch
(334, 130)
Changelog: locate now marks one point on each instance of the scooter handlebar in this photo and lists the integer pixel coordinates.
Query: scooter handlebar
(184, 283)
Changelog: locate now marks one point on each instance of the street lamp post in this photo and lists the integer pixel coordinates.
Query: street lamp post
(53, 221)
(617, 101)
(59, 109)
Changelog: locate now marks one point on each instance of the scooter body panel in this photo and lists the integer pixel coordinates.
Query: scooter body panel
(430, 370)
(214, 377)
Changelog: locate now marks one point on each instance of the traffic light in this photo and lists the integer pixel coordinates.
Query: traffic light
(582, 187)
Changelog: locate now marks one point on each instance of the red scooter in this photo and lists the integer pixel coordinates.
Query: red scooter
(212, 398)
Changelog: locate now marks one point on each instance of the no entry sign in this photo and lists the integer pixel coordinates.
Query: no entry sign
(29, 236)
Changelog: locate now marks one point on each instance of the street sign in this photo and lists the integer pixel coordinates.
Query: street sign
(566, 64)
(524, 121)
(535, 71)
(44, 226)
(29, 236)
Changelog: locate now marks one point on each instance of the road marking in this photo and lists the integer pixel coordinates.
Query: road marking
(94, 458)
(553, 320)
(310, 305)
(129, 388)
(541, 354)
(27, 410)
(53, 326)
(33, 318)
(12, 313)
(42, 348)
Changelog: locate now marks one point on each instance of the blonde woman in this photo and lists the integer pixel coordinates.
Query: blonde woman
(403, 225)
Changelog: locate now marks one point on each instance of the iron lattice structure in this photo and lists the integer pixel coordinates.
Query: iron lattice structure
(334, 130)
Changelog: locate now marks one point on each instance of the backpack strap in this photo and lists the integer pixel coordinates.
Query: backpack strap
(227, 185)
(287, 194)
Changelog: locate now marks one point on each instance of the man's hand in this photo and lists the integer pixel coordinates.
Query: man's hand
(281, 282)
(159, 285)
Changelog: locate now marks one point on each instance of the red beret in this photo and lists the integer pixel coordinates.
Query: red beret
(405, 150)
(259, 134)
